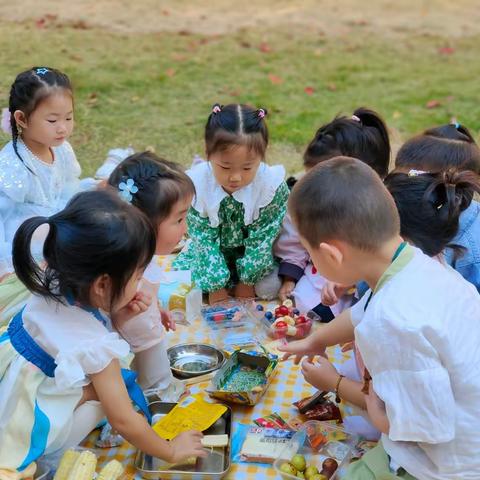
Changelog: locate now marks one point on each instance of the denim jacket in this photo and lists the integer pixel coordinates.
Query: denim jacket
(468, 236)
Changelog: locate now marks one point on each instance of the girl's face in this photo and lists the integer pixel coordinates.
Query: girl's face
(171, 230)
(51, 123)
(235, 168)
(130, 289)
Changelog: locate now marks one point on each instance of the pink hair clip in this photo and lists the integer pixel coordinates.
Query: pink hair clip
(216, 109)
(355, 118)
(261, 113)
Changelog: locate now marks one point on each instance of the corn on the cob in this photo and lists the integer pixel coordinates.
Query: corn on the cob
(66, 464)
(84, 467)
(111, 471)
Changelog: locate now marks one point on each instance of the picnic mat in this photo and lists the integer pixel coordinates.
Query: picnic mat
(287, 386)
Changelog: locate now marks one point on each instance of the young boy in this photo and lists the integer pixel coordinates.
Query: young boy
(417, 330)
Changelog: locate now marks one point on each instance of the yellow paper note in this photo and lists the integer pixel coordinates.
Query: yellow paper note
(192, 413)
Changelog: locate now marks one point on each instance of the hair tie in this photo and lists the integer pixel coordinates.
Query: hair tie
(42, 71)
(127, 190)
(216, 109)
(416, 173)
(356, 119)
(261, 113)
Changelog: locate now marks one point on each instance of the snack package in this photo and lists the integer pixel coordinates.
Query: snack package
(192, 413)
(323, 412)
(263, 445)
(308, 403)
(274, 420)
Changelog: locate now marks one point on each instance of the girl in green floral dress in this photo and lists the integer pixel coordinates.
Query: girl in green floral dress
(238, 208)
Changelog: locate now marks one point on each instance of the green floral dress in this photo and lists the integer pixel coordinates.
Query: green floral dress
(233, 252)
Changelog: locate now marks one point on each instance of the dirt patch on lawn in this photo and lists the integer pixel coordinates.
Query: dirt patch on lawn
(216, 17)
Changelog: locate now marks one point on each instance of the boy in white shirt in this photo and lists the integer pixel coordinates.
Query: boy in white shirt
(418, 330)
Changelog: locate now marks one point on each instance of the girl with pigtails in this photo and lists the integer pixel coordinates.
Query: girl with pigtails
(238, 208)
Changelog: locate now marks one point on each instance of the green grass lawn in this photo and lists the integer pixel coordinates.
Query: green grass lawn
(157, 89)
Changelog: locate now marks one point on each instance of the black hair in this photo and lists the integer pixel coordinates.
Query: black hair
(440, 148)
(160, 183)
(344, 199)
(96, 234)
(236, 124)
(29, 89)
(364, 135)
(430, 205)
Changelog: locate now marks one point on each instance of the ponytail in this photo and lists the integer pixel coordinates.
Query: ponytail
(27, 269)
(430, 205)
(363, 135)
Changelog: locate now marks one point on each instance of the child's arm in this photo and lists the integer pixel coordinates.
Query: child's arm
(115, 401)
(376, 411)
(203, 257)
(293, 257)
(258, 258)
(324, 376)
(339, 330)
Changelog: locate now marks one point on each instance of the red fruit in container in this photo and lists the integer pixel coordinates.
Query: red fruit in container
(278, 313)
(279, 330)
(280, 325)
(300, 320)
(283, 310)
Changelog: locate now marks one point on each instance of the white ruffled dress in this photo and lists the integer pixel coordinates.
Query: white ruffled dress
(36, 410)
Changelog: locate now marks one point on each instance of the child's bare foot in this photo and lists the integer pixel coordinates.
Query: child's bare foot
(217, 296)
(244, 291)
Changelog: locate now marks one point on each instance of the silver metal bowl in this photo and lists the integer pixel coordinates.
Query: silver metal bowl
(190, 360)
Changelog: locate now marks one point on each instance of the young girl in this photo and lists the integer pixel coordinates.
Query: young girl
(38, 169)
(59, 361)
(430, 206)
(363, 136)
(436, 150)
(162, 191)
(238, 208)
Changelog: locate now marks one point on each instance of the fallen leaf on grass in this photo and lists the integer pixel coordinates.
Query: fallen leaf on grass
(275, 79)
(332, 87)
(446, 50)
(309, 90)
(264, 47)
(433, 104)
(92, 98)
(170, 72)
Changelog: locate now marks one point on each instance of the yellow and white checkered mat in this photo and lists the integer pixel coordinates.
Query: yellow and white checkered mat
(287, 386)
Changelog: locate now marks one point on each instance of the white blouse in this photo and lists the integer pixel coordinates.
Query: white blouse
(80, 343)
(24, 194)
(255, 196)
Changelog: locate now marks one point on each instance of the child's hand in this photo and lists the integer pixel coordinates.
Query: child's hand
(321, 375)
(244, 291)
(217, 296)
(167, 321)
(186, 445)
(286, 289)
(139, 304)
(346, 347)
(331, 293)
(300, 349)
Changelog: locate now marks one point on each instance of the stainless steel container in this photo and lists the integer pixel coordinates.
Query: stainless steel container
(193, 359)
(213, 467)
